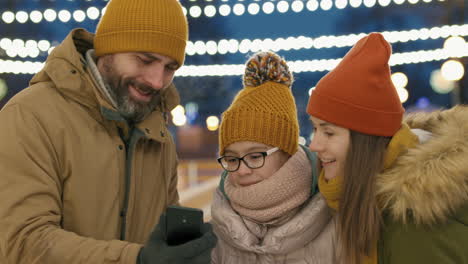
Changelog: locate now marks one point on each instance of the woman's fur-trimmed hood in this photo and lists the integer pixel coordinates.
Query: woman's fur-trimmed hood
(429, 182)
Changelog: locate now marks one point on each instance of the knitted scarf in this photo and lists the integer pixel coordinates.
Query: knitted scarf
(276, 196)
(331, 189)
(96, 75)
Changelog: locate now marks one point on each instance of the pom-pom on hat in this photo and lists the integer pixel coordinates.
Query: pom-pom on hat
(156, 26)
(359, 94)
(264, 110)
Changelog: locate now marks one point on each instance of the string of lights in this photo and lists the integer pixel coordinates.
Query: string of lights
(302, 42)
(196, 11)
(51, 15)
(414, 57)
(297, 6)
(32, 48)
(299, 66)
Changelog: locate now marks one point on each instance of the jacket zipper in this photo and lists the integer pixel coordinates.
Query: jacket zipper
(130, 144)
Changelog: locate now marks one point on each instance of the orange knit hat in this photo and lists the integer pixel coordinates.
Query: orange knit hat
(359, 94)
(158, 26)
(265, 110)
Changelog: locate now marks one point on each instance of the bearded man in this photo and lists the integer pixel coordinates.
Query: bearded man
(88, 165)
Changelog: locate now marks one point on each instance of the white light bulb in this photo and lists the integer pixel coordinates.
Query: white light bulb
(22, 17)
(195, 11)
(225, 10)
(92, 13)
(312, 5)
(282, 6)
(253, 9)
(370, 3)
(403, 94)
(18, 44)
(233, 46)
(30, 44)
(223, 46)
(6, 43)
(384, 3)
(36, 16)
(439, 84)
(64, 16)
(452, 70)
(311, 90)
(268, 8)
(239, 9)
(326, 5)
(297, 6)
(190, 48)
(341, 4)
(43, 45)
(50, 15)
(244, 46)
(200, 47)
(211, 47)
(455, 43)
(210, 11)
(79, 15)
(399, 79)
(8, 17)
(212, 123)
(33, 52)
(355, 3)
(179, 120)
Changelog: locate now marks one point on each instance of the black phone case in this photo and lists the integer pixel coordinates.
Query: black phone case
(183, 224)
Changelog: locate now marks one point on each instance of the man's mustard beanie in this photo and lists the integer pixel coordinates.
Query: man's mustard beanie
(265, 110)
(156, 26)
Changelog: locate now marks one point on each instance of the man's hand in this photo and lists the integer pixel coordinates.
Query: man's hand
(197, 251)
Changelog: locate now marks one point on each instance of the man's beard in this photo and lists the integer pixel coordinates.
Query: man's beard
(130, 109)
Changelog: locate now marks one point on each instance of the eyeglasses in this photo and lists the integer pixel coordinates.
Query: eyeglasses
(252, 160)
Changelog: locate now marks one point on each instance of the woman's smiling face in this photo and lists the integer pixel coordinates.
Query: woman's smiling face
(331, 143)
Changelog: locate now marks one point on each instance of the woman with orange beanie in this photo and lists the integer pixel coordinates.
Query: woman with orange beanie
(267, 209)
(399, 188)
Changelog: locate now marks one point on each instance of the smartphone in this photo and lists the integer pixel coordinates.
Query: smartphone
(183, 224)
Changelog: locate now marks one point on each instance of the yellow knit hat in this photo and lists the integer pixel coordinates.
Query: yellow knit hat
(158, 26)
(265, 110)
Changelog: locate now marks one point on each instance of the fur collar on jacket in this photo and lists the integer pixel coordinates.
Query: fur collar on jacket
(429, 183)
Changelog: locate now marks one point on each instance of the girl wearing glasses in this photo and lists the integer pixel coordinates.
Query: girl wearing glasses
(267, 209)
(400, 193)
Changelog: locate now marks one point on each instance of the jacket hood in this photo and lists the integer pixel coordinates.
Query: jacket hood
(66, 64)
(66, 67)
(429, 183)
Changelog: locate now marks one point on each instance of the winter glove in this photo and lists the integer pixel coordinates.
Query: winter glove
(197, 251)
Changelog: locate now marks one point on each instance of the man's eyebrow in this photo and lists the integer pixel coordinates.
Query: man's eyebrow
(150, 56)
(154, 58)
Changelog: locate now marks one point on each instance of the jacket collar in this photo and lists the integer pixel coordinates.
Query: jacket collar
(303, 228)
(429, 182)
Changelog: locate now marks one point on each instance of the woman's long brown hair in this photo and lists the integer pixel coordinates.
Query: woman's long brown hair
(359, 218)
